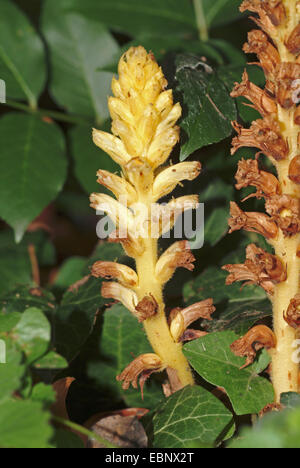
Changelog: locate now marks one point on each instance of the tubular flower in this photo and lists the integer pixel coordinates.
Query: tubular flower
(259, 44)
(142, 366)
(144, 132)
(252, 222)
(180, 319)
(257, 338)
(277, 135)
(260, 268)
(259, 98)
(249, 174)
(263, 134)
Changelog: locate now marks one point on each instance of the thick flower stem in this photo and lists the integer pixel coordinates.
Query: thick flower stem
(157, 328)
(284, 370)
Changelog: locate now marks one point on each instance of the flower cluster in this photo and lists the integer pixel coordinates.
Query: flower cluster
(277, 135)
(144, 132)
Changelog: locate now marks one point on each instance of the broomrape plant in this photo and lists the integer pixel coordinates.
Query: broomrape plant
(144, 133)
(277, 135)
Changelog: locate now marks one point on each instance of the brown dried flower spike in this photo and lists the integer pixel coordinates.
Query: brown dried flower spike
(277, 135)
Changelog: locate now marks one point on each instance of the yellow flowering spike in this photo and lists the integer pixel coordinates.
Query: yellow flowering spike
(143, 114)
(144, 129)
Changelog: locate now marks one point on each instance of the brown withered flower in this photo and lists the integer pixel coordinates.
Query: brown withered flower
(292, 315)
(252, 222)
(260, 268)
(285, 77)
(110, 270)
(293, 42)
(249, 174)
(259, 44)
(143, 366)
(271, 13)
(147, 308)
(180, 319)
(263, 103)
(257, 338)
(263, 134)
(285, 211)
(294, 169)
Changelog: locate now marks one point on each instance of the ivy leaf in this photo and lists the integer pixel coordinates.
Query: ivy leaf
(89, 158)
(74, 318)
(211, 283)
(23, 298)
(33, 334)
(208, 106)
(274, 430)
(240, 316)
(216, 226)
(290, 400)
(122, 337)
(52, 360)
(12, 371)
(79, 46)
(43, 394)
(212, 358)
(22, 56)
(133, 17)
(32, 168)
(24, 424)
(192, 417)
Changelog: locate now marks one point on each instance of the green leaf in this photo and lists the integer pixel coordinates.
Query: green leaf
(74, 318)
(12, 371)
(33, 333)
(121, 337)
(212, 358)
(22, 298)
(240, 316)
(43, 394)
(79, 46)
(32, 168)
(136, 17)
(52, 360)
(209, 107)
(188, 418)
(290, 400)
(211, 283)
(216, 226)
(70, 272)
(15, 265)
(67, 439)
(89, 158)
(220, 12)
(8, 321)
(22, 56)
(275, 430)
(24, 424)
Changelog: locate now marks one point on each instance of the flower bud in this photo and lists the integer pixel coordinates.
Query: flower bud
(118, 186)
(292, 315)
(166, 181)
(120, 293)
(112, 146)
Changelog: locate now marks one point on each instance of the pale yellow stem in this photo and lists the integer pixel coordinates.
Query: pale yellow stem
(284, 370)
(157, 328)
